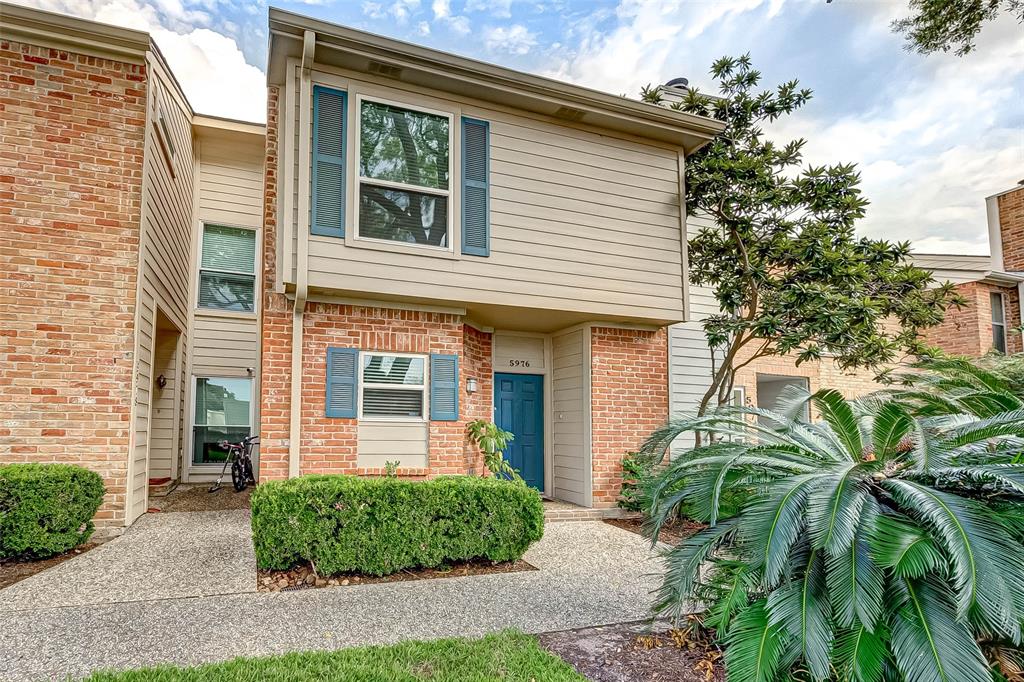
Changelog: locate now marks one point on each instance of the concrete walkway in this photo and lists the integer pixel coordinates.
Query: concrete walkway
(161, 556)
(590, 573)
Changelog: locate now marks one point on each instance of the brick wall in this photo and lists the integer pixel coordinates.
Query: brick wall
(71, 152)
(476, 363)
(1011, 223)
(275, 320)
(629, 399)
(968, 330)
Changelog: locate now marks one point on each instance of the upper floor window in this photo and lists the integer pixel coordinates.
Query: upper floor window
(404, 174)
(998, 323)
(227, 269)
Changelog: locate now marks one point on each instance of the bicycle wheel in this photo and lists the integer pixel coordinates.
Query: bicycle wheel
(248, 471)
(238, 478)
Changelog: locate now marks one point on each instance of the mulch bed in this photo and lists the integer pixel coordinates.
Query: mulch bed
(639, 652)
(14, 571)
(671, 534)
(199, 498)
(303, 577)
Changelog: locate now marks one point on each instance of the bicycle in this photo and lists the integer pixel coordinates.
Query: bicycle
(239, 457)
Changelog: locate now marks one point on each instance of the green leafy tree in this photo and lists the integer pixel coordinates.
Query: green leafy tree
(788, 271)
(941, 25)
(884, 542)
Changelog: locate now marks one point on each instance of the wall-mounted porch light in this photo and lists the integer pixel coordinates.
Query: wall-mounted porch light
(471, 385)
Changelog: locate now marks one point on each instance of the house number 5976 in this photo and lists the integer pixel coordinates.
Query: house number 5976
(518, 363)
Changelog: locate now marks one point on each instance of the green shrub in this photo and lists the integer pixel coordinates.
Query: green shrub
(46, 509)
(382, 525)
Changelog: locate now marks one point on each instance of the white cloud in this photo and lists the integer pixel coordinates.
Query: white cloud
(402, 9)
(423, 28)
(498, 8)
(515, 39)
(932, 152)
(209, 65)
(442, 8)
(459, 25)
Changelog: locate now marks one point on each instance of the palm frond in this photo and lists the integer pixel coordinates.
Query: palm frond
(839, 415)
(833, 508)
(904, 547)
(682, 568)
(856, 581)
(891, 424)
(929, 643)
(772, 526)
(755, 648)
(802, 608)
(861, 654)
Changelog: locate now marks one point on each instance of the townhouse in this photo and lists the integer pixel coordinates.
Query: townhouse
(412, 242)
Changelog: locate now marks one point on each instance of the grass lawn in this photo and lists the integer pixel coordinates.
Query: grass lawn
(506, 656)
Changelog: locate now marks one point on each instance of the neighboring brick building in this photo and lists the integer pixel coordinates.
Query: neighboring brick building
(989, 321)
(99, 157)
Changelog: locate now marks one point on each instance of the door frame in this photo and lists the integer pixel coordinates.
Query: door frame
(545, 372)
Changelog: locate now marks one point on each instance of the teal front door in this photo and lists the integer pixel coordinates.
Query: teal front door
(519, 408)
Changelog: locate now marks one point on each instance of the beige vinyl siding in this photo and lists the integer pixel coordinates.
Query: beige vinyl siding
(689, 356)
(138, 478)
(165, 253)
(163, 439)
(511, 351)
(581, 221)
(569, 460)
(230, 193)
(380, 442)
(224, 346)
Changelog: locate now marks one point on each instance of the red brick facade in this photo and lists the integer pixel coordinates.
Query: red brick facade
(968, 331)
(1011, 220)
(629, 399)
(71, 153)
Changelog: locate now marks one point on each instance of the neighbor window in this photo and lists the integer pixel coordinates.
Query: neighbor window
(227, 270)
(404, 174)
(998, 323)
(223, 412)
(392, 386)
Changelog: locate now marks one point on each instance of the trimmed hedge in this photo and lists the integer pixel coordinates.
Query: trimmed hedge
(46, 509)
(378, 526)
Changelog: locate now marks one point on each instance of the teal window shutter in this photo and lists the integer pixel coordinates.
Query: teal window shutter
(342, 382)
(328, 204)
(476, 215)
(444, 387)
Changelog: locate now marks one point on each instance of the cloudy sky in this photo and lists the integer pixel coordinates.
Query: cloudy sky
(932, 135)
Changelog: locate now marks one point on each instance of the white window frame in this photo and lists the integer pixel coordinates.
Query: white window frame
(189, 463)
(255, 274)
(993, 295)
(361, 384)
(358, 179)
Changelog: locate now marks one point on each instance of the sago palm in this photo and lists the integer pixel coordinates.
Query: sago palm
(877, 543)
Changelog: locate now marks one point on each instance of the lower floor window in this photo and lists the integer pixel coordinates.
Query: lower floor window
(223, 412)
(393, 386)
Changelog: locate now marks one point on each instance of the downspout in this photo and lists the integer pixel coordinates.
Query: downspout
(302, 253)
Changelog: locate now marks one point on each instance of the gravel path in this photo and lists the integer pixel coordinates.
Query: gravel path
(589, 574)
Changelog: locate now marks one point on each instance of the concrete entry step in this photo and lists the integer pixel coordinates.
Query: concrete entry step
(556, 510)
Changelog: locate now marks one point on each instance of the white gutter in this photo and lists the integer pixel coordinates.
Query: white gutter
(302, 255)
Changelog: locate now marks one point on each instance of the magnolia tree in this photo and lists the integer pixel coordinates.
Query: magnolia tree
(788, 271)
(942, 25)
